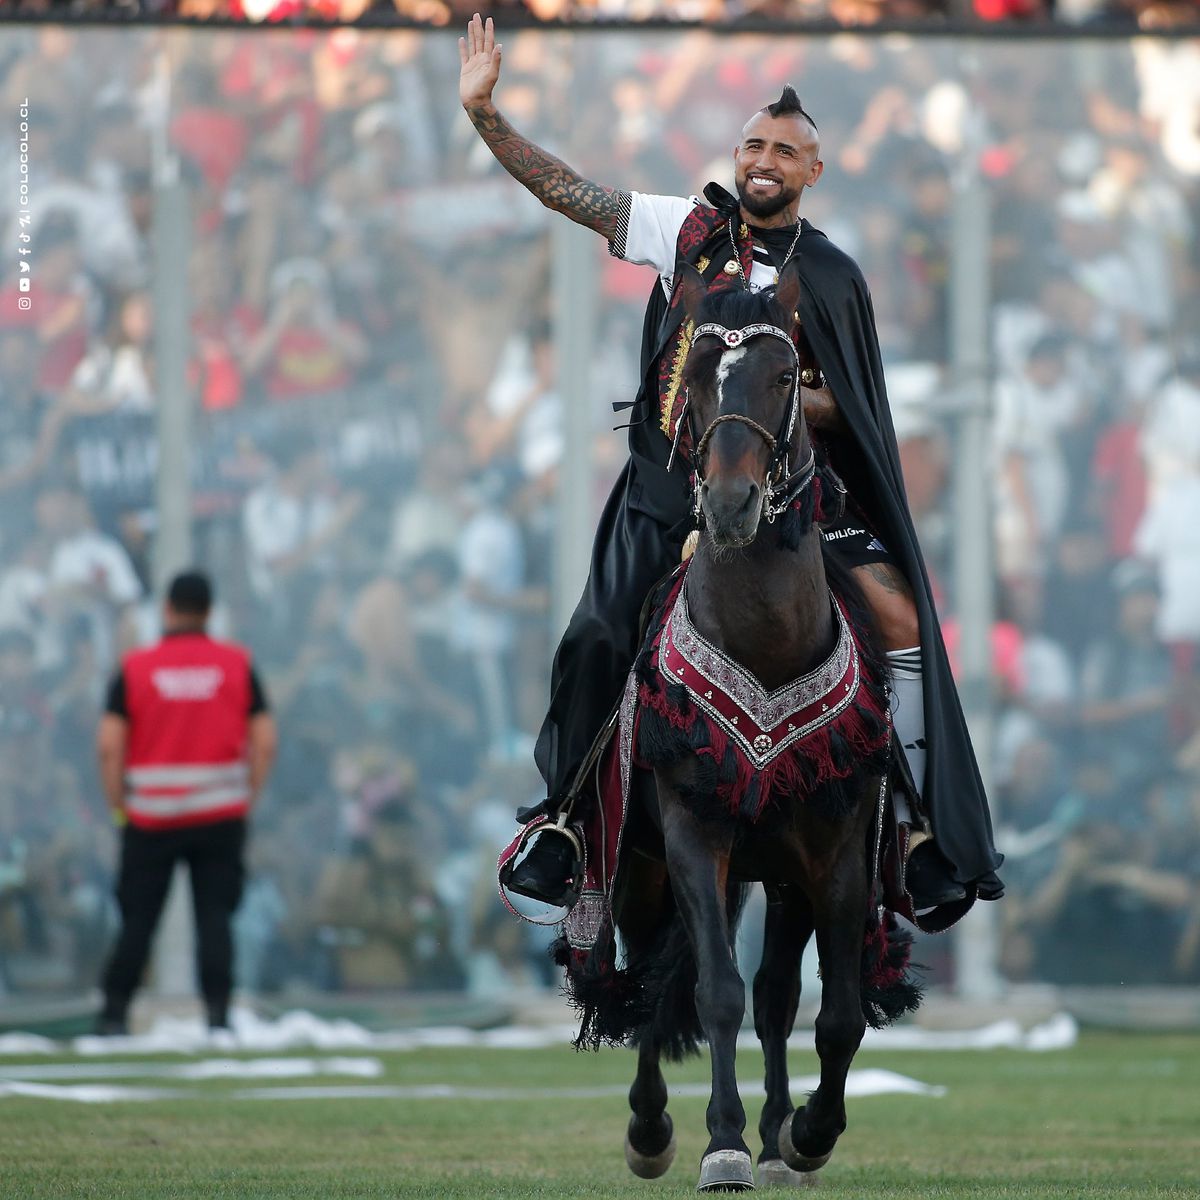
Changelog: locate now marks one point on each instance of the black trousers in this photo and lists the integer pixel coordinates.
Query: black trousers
(631, 553)
(214, 855)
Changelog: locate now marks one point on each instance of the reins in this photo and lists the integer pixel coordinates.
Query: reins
(779, 489)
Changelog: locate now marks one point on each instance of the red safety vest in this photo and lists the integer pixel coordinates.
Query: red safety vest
(187, 699)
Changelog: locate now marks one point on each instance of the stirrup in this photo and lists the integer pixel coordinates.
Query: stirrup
(544, 912)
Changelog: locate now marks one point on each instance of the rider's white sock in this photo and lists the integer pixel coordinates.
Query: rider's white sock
(908, 710)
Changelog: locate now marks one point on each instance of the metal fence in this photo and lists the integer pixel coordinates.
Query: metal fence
(376, 405)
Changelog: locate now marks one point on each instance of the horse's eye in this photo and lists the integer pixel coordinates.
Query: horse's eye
(787, 379)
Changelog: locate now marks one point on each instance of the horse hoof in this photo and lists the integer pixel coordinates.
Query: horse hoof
(726, 1171)
(792, 1156)
(774, 1172)
(649, 1166)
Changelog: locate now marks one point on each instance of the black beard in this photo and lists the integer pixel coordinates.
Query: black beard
(764, 207)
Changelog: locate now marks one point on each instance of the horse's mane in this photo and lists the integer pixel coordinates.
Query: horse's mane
(736, 308)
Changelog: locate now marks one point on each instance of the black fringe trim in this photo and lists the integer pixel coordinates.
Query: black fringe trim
(889, 988)
(610, 1002)
(651, 999)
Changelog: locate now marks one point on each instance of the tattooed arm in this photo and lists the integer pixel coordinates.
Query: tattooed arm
(821, 410)
(555, 184)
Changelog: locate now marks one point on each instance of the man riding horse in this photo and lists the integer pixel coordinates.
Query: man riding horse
(744, 242)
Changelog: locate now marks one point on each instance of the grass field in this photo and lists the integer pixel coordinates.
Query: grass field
(1113, 1116)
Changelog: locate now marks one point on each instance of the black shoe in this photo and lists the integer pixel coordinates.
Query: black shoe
(929, 878)
(110, 1026)
(217, 1015)
(547, 872)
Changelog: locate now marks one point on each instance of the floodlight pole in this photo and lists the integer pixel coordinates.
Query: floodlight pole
(976, 940)
(172, 552)
(575, 289)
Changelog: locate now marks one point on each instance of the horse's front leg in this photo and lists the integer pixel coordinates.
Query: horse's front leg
(840, 903)
(698, 863)
(788, 927)
(650, 1138)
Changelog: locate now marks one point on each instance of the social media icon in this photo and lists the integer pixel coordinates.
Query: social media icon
(24, 285)
(24, 303)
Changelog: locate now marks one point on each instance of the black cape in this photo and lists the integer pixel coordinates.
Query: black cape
(839, 319)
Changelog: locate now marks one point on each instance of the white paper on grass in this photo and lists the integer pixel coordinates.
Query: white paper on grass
(859, 1083)
(208, 1068)
(299, 1030)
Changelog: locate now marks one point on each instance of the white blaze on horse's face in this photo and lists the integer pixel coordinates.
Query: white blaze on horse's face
(729, 359)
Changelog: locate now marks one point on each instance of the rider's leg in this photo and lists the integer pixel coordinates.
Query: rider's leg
(888, 595)
(631, 553)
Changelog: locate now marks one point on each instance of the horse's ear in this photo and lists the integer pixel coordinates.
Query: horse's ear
(787, 290)
(692, 288)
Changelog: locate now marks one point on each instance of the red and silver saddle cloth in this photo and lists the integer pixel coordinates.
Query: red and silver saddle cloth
(808, 742)
(761, 724)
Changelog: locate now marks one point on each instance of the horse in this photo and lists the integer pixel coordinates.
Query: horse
(701, 825)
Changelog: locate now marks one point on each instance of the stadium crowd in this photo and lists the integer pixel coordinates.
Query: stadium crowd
(1109, 14)
(377, 443)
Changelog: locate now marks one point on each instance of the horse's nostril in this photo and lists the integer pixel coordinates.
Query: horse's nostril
(751, 502)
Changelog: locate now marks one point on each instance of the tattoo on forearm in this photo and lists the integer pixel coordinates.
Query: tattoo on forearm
(888, 578)
(821, 410)
(548, 178)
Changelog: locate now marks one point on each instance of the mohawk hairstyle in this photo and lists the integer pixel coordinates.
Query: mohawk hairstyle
(788, 105)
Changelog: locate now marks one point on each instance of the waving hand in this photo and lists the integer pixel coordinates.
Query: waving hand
(480, 58)
(555, 184)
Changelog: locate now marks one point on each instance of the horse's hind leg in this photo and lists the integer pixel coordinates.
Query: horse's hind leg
(808, 1139)
(776, 997)
(650, 1139)
(698, 861)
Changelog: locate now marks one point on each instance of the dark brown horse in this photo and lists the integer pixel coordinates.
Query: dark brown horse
(758, 596)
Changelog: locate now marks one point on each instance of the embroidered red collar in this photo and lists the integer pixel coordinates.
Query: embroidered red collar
(763, 724)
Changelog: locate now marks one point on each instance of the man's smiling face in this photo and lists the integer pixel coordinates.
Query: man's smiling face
(777, 158)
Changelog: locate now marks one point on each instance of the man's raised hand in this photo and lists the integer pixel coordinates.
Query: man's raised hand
(480, 58)
(555, 184)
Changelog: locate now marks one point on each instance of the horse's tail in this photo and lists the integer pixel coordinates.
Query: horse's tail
(671, 976)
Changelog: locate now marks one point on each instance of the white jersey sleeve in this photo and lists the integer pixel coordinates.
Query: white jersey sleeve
(649, 231)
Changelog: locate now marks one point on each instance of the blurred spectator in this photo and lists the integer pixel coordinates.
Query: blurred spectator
(491, 565)
(1032, 410)
(1169, 536)
(377, 908)
(83, 572)
(292, 519)
(303, 349)
(429, 517)
(31, 421)
(222, 324)
(1171, 440)
(1126, 686)
(116, 375)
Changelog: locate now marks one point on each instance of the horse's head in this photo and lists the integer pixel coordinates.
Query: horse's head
(742, 376)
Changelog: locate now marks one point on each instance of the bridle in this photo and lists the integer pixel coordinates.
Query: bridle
(780, 489)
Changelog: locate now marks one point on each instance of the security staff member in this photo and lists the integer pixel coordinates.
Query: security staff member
(185, 746)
